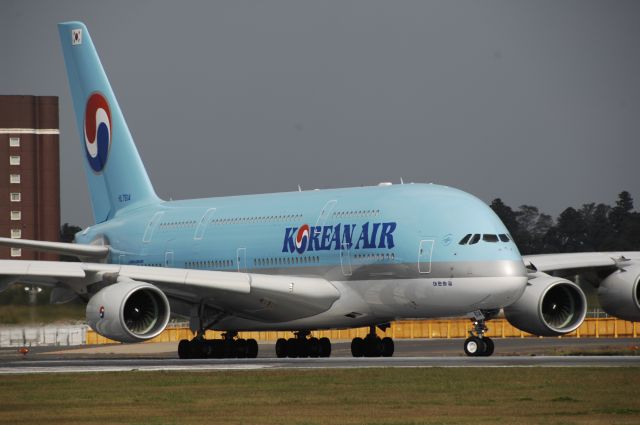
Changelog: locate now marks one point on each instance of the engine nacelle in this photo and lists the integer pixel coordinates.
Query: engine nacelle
(619, 294)
(549, 306)
(128, 311)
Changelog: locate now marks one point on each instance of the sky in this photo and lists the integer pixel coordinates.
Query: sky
(534, 102)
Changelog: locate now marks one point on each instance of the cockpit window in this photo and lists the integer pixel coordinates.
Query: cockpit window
(475, 239)
(504, 238)
(464, 240)
(490, 238)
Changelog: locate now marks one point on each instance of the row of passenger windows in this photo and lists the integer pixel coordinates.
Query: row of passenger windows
(359, 213)
(257, 219)
(279, 261)
(183, 224)
(472, 239)
(375, 257)
(208, 264)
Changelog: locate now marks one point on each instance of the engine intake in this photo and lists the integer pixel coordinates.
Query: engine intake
(129, 311)
(549, 306)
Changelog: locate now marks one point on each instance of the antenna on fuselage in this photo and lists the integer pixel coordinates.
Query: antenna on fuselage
(401, 181)
(299, 188)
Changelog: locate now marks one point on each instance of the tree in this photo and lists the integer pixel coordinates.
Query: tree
(506, 214)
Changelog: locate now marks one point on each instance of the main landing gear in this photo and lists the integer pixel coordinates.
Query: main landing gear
(478, 345)
(301, 346)
(372, 345)
(225, 348)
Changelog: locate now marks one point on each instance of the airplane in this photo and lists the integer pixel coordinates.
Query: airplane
(297, 261)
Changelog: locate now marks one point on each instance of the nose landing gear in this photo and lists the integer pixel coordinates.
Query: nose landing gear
(478, 345)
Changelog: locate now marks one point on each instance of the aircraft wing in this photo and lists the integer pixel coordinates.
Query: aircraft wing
(579, 261)
(253, 296)
(78, 250)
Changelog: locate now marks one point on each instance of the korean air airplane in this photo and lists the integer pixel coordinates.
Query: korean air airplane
(297, 261)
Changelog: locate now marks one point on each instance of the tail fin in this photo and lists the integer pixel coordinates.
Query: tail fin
(117, 178)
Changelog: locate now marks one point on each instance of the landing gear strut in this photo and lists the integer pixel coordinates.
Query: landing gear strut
(372, 345)
(301, 346)
(478, 345)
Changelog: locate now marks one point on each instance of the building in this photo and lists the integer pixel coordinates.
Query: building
(29, 172)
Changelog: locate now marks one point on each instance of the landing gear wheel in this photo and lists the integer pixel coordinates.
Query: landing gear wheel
(474, 346)
(387, 347)
(184, 349)
(372, 346)
(325, 347)
(241, 348)
(252, 348)
(357, 347)
(292, 348)
(313, 347)
(489, 346)
(281, 348)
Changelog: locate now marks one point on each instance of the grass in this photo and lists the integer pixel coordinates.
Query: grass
(351, 396)
(48, 313)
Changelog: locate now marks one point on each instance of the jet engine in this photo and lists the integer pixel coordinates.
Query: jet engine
(128, 311)
(549, 306)
(619, 294)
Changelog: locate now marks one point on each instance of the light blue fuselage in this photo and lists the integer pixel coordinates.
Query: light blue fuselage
(402, 240)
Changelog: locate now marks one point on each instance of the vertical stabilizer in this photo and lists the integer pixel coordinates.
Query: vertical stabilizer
(117, 178)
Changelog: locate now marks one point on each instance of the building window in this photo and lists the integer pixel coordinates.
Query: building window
(16, 252)
(14, 178)
(15, 196)
(16, 215)
(14, 160)
(16, 233)
(14, 142)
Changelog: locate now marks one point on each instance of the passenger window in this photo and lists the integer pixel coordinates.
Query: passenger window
(475, 239)
(464, 240)
(504, 238)
(490, 238)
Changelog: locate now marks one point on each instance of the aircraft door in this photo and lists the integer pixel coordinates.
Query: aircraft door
(424, 255)
(152, 225)
(325, 213)
(241, 257)
(204, 223)
(345, 259)
(168, 259)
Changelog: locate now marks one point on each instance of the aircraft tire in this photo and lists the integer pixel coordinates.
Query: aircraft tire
(184, 349)
(292, 348)
(281, 348)
(313, 347)
(388, 347)
(357, 347)
(325, 347)
(474, 346)
(489, 346)
(252, 348)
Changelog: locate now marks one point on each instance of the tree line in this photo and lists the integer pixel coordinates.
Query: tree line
(592, 227)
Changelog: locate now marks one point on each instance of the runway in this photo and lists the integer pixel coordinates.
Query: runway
(121, 365)
(531, 352)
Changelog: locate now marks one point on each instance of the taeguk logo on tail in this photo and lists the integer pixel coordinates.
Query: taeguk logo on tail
(336, 237)
(97, 131)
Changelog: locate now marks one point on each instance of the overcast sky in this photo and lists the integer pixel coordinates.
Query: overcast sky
(535, 102)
